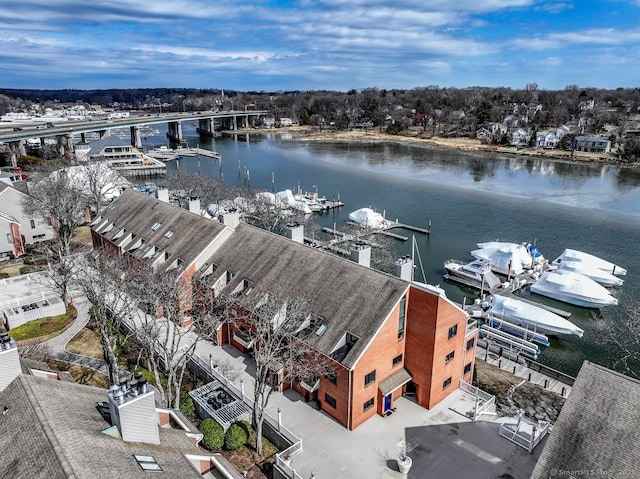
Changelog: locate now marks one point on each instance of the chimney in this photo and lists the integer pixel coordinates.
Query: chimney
(230, 219)
(404, 268)
(9, 361)
(361, 254)
(133, 411)
(295, 232)
(193, 205)
(163, 194)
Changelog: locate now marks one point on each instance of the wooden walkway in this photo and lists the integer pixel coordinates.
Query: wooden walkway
(534, 372)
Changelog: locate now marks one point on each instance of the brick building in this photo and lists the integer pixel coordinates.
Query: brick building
(383, 335)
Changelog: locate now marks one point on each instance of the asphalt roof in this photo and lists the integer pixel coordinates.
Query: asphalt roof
(597, 429)
(348, 297)
(174, 230)
(52, 429)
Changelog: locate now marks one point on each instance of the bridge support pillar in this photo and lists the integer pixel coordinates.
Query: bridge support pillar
(235, 122)
(174, 132)
(136, 137)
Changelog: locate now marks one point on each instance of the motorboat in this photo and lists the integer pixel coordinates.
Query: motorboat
(573, 288)
(598, 275)
(509, 258)
(477, 273)
(368, 218)
(527, 315)
(589, 259)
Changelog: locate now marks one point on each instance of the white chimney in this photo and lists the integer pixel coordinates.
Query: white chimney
(404, 268)
(193, 205)
(295, 232)
(361, 254)
(163, 194)
(230, 219)
(133, 411)
(9, 361)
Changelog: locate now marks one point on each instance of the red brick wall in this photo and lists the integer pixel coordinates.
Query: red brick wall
(428, 344)
(379, 356)
(339, 391)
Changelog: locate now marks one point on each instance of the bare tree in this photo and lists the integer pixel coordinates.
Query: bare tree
(102, 182)
(58, 198)
(624, 337)
(278, 323)
(102, 281)
(178, 314)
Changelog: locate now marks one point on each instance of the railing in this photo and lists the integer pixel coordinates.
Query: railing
(528, 441)
(485, 402)
(552, 373)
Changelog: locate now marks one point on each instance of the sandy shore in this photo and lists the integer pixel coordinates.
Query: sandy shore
(417, 136)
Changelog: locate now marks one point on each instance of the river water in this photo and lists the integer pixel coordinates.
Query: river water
(469, 198)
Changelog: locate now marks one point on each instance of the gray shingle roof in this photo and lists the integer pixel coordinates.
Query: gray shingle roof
(138, 213)
(112, 140)
(598, 428)
(53, 430)
(347, 296)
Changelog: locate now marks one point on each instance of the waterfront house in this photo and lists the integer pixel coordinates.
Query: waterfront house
(519, 137)
(591, 144)
(383, 335)
(547, 139)
(122, 156)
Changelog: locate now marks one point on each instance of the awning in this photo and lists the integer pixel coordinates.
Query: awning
(393, 382)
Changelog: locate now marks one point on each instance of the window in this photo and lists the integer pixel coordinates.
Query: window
(332, 376)
(147, 463)
(397, 360)
(33, 224)
(449, 356)
(168, 234)
(330, 400)
(368, 405)
(370, 378)
(470, 343)
(467, 369)
(9, 238)
(453, 330)
(401, 316)
(156, 226)
(446, 384)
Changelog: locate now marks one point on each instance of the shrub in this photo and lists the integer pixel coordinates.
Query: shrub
(246, 425)
(235, 437)
(4, 275)
(213, 434)
(186, 405)
(29, 269)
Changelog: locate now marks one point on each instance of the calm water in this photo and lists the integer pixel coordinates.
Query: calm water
(469, 199)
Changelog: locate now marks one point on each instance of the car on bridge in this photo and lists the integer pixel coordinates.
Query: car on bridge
(17, 128)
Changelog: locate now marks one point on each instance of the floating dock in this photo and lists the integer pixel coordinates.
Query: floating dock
(166, 154)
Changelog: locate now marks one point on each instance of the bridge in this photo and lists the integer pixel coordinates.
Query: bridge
(15, 134)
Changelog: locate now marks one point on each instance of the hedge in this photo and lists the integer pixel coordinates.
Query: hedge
(213, 434)
(235, 437)
(186, 405)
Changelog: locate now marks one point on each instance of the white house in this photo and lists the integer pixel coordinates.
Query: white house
(32, 229)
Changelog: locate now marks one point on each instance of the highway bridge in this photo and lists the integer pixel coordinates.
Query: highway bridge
(15, 134)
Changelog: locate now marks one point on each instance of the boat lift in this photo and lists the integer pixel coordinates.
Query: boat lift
(510, 341)
(519, 331)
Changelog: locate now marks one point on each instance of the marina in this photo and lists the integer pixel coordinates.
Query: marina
(167, 154)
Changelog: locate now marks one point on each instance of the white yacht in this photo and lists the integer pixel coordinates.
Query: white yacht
(529, 316)
(591, 260)
(598, 275)
(509, 258)
(477, 273)
(573, 288)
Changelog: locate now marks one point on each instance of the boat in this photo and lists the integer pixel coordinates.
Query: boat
(600, 276)
(524, 314)
(573, 288)
(477, 273)
(509, 258)
(589, 259)
(368, 218)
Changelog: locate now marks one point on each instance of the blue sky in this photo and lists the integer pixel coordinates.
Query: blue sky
(318, 44)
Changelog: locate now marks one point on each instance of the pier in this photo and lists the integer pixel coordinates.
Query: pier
(166, 154)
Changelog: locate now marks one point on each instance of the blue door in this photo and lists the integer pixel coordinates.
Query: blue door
(387, 402)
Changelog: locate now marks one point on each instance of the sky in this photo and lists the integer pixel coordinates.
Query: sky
(273, 45)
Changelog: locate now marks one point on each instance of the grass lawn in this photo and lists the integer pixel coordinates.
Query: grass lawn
(87, 343)
(81, 236)
(13, 270)
(81, 374)
(44, 328)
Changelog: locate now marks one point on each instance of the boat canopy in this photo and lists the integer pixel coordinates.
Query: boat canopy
(369, 218)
